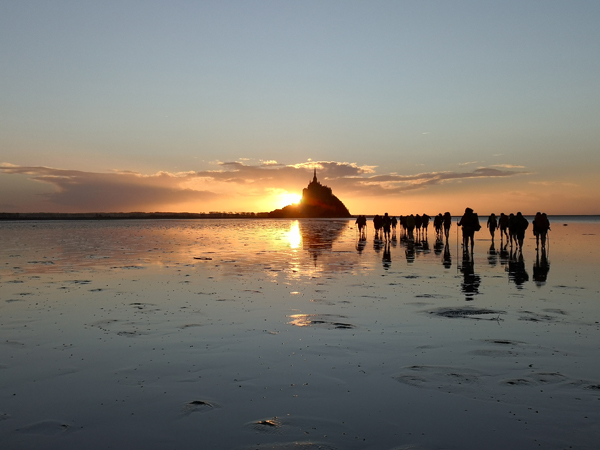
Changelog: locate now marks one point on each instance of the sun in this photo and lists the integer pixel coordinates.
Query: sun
(287, 198)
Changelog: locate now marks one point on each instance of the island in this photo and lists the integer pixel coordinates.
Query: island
(317, 201)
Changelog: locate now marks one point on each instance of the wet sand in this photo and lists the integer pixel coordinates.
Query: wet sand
(258, 334)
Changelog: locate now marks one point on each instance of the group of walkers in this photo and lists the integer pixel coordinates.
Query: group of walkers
(385, 226)
(512, 226)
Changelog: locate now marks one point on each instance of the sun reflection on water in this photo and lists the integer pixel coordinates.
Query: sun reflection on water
(293, 235)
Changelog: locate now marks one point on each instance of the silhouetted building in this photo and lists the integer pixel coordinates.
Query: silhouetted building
(317, 201)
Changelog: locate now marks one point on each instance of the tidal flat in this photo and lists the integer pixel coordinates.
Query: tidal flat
(294, 334)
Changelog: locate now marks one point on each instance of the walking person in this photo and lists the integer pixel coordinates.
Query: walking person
(541, 225)
(386, 223)
(425, 219)
(512, 229)
(470, 224)
(447, 224)
(503, 225)
(410, 227)
(521, 224)
(492, 224)
(438, 223)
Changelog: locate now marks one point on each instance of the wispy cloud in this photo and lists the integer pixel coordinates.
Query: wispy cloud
(391, 184)
(508, 166)
(131, 191)
(552, 183)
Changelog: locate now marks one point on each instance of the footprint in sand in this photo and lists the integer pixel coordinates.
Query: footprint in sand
(46, 428)
(199, 406)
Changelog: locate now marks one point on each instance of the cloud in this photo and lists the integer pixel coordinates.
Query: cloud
(508, 166)
(231, 182)
(116, 191)
(392, 184)
(553, 183)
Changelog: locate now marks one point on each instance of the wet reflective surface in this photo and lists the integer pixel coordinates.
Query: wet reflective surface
(279, 333)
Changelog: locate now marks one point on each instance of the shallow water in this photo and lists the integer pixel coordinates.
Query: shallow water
(280, 334)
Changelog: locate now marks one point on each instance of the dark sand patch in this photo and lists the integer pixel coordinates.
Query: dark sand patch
(556, 311)
(322, 301)
(530, 316)
(200, 406)
(443, 378)
(467, 312)
(119, 327)
(190, 325)
(309, 445)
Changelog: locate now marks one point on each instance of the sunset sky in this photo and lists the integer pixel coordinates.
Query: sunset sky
(198, 106)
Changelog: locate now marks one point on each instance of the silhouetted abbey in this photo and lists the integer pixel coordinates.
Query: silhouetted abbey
(317, 201)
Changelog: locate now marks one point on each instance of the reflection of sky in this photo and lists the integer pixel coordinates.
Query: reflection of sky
(283, 248)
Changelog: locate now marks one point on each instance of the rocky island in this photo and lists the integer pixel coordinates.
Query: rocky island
(317, 201)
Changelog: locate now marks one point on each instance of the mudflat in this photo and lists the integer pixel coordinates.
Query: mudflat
(286, 334)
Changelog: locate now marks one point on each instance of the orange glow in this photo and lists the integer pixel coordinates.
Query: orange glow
(287, 198)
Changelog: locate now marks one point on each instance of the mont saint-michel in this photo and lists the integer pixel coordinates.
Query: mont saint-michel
(317, 201)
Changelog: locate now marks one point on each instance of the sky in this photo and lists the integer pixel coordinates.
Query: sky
(401, 106)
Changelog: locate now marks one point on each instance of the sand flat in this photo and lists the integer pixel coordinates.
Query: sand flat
(281, 334)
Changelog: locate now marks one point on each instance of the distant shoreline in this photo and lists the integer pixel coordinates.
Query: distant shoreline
(131, 215)
(169, 215)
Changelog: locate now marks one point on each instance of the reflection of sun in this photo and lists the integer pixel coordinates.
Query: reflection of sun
(300, 320)
(294, 236)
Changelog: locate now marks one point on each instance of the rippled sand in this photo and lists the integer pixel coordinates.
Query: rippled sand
(256, 334)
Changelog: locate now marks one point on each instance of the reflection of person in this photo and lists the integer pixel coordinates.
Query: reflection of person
(470, 224)
(438, 247)
(387, 256)
(516, 269)
(541, 268)
(504, 255)
(492, 255)
(410, 252)
(360, 245)
(447, 259)
(471, 281)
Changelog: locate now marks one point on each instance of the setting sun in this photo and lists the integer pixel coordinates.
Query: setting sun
(288, 198)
